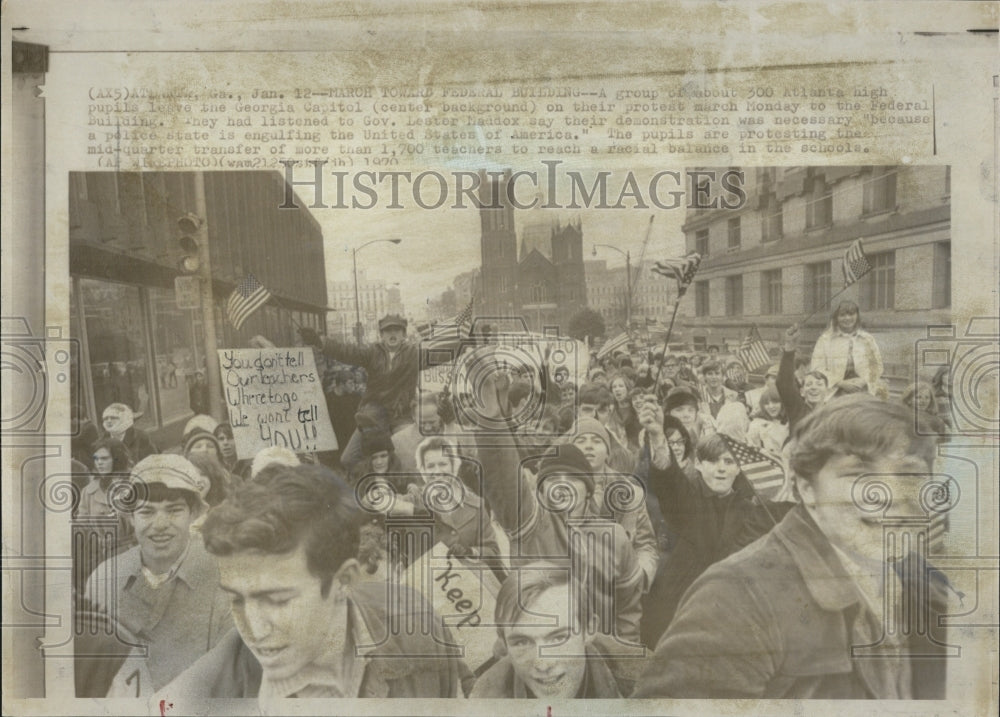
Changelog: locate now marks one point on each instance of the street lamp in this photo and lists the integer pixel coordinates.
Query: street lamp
(358, 328)
(628, 281)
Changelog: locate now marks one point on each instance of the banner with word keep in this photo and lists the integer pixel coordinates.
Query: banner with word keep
(463, 595)
(275, 398)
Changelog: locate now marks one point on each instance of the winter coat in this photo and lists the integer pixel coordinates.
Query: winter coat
(784, 619)
(392, 378)
(706, 528)
(403, 664)
(833, 348)
(538, 533)
(139, 444)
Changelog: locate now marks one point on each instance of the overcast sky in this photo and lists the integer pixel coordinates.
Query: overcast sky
(441, 243)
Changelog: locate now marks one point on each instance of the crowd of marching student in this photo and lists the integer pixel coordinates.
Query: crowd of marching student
(605, 502)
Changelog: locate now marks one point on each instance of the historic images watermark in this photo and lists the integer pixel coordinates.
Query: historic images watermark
(566, 189)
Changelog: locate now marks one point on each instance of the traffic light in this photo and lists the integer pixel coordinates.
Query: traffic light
(189, 226)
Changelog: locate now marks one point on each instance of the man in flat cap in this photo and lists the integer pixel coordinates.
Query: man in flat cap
(164, 591)
(392, 365)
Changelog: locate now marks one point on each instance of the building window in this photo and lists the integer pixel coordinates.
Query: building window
(772, 219)
(941, 296)
(539, 295)
(701, 307)
(734, 295)
(503, 284)
(818, 287)
(115, 339)
(770, 292)
(177, 355)
(880, 191)
(878, 288)
(819, 206)
(734, 233)
(701, 242)
(947, 181)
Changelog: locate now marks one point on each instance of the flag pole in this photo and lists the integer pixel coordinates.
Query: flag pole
(681, 290)
(290, 316)
(859, 266)
(826, 304)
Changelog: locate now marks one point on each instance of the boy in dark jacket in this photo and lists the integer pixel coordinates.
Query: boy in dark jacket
(836, 602)
(711, 517)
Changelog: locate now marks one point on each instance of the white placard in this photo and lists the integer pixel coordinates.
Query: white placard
(275, 398)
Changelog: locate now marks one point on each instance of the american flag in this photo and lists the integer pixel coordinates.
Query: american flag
(457, 327)
(618, 342)
(682, 269)
(856, 263)
(764, 473)
(248, 296)
(752, 353)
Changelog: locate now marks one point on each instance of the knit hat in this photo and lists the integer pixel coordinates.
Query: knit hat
(592, 425)
(375, 442)
(679, 396)
(568, 459)
(273, 455)
(172, 471)
(200, 435)
(201, 422)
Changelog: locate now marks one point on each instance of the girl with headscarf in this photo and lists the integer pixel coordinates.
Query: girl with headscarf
(461, 521)
(118, 421)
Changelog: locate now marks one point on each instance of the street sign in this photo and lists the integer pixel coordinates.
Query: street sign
(186, 292)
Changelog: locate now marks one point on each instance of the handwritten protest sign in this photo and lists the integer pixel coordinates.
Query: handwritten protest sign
(275, 398)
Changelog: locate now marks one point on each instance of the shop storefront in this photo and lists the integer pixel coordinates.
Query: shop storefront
(138, 346)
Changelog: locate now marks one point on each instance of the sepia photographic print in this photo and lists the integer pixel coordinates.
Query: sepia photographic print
(597, 358)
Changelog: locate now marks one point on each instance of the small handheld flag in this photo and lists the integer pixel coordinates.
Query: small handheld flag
(248, 296)
(856, 263)
(764, 473)
(752, 353)
(464, 318)
(457, 327)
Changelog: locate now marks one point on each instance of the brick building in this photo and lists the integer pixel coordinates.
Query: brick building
(777, 259)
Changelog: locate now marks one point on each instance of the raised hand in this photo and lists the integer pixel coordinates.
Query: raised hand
(651, 417)
(791, 337)
(493, 395)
